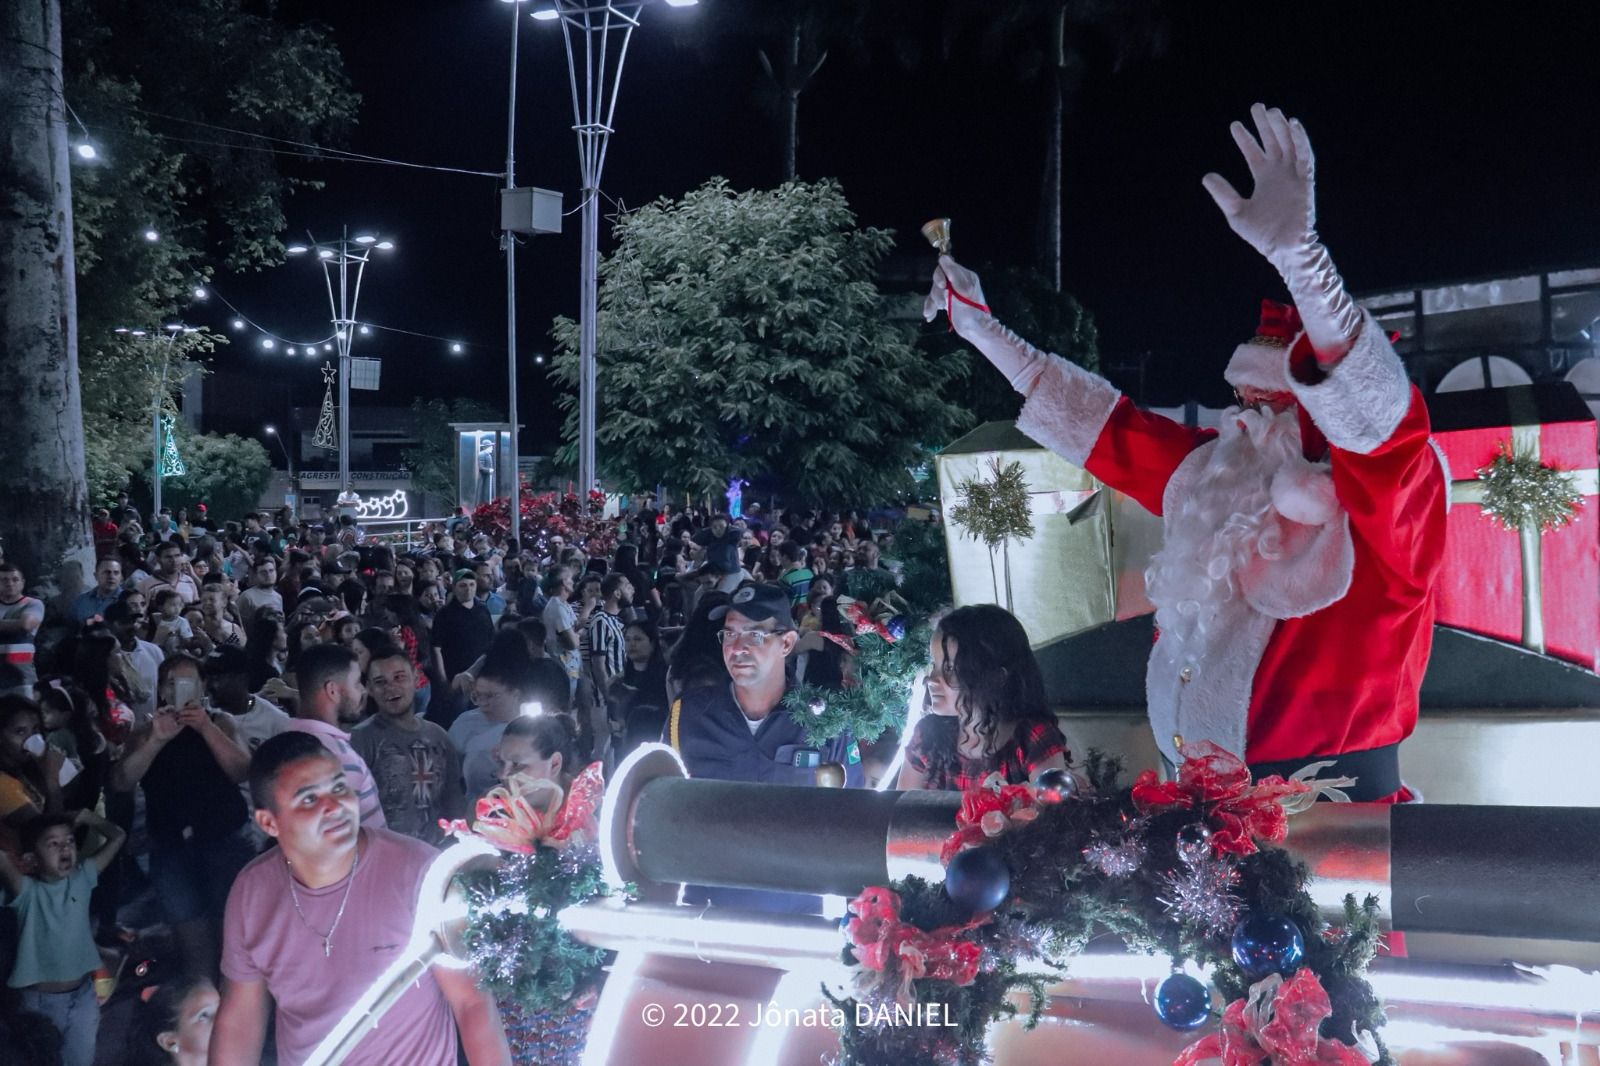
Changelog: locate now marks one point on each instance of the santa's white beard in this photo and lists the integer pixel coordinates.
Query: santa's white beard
(1226, 522)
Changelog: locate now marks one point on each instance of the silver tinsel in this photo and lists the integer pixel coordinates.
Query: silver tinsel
(1121, 859)
(1203, 896)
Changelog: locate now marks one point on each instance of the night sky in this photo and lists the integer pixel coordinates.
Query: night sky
(1451, 144)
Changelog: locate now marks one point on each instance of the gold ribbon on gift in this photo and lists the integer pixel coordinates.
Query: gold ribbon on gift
(1525, 445)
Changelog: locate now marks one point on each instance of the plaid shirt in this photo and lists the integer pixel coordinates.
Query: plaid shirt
(933, 753)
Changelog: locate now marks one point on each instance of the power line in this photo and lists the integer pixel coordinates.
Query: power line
(310, 150)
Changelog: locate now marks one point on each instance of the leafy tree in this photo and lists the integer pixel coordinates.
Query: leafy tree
(433, 461)
(1024, 299)
(160, 84)
(743, 334)
(226, 473)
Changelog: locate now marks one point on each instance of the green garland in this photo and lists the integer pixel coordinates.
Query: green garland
(521, 952)
(884, 670)
(1520, 490)
(1059, 900)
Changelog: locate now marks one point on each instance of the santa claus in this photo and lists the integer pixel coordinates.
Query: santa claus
(1294, 589)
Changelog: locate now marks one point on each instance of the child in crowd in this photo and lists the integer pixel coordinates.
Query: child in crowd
(986, 709)
(56, 953)
(173, 1027)
(169, 630)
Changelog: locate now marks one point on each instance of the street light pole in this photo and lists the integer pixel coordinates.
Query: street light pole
(288, 463)
(510, 241)
(343, 253)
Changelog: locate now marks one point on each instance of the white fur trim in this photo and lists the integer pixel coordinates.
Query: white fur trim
(1261, 366)
(1363, 398)
(1067, 409)
(1314, 568)
(1306, 496)
(1214, 703)
(1444, 465)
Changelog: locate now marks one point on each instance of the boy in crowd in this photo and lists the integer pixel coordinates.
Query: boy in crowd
(56, 954)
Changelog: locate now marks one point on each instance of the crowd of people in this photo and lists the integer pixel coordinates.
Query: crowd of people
(233, 708)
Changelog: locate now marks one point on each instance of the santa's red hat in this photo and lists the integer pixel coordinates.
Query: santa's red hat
(1262, 362)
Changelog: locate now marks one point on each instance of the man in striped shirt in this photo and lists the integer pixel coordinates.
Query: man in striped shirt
(20, 618)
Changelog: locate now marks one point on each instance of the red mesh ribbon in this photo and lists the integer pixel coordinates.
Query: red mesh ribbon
(899, 953)
(1278, 1025)
(1218, 783)
(988, 811)
(527, 812)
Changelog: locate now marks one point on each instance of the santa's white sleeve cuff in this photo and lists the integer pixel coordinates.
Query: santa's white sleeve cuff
(1360, 402)
(1067, 409)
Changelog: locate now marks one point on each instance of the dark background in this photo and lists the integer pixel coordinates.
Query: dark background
(1453, 141)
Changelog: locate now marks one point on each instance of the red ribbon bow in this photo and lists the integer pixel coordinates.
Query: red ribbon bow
(1218, 782)
(1278, 1024)
(527, 812)
(864, 622)
(987, 811)
(901, 953)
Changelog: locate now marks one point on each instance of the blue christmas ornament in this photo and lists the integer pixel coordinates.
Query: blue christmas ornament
(897, 627)
(1267, 943)
(1182, 1002)
(977, 879)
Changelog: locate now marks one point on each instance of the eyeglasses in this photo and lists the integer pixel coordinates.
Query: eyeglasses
(755, 638)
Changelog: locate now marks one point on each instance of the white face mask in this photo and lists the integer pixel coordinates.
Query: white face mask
(34, 745)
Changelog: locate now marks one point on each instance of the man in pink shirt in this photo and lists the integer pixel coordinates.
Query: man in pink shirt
(313, 922)
(331, 699)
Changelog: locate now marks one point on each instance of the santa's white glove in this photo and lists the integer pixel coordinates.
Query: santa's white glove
(957, 292)
(1279, 220)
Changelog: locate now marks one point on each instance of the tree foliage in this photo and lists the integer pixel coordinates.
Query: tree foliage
(226, 473)
(433, 461)
(743, 334)
(161, 85)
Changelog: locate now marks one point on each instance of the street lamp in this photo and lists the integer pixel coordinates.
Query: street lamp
(597, 22)
(338, 257)
(272, 431)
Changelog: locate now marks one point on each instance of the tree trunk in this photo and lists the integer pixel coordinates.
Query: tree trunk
(45, 516)
(1050, 187)
(791, 105)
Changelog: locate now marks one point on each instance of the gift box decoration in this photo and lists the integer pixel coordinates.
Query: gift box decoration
(1537, 584)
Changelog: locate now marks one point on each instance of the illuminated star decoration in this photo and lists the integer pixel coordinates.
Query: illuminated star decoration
(1203, 896)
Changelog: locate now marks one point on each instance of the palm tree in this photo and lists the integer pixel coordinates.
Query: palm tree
(45, 519)
(793, 39)
(1056, 42)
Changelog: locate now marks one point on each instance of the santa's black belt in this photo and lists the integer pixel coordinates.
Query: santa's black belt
(1376, 770)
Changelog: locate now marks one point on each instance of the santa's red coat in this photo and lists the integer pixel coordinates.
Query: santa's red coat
(1344, 678)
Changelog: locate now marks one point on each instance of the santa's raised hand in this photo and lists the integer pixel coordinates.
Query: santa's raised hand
(1279, 220)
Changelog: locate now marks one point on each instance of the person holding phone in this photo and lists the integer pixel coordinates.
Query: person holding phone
(190, 765)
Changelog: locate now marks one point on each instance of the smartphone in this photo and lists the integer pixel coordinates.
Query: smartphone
(186, 690)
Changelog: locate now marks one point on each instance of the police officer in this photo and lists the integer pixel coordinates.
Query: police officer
(740, 731)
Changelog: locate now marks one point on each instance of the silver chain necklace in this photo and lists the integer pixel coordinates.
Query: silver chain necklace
(326, 938)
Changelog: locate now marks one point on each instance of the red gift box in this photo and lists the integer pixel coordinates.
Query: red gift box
(1485, 586)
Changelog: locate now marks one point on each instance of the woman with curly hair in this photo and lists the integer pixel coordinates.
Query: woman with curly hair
(986, 711)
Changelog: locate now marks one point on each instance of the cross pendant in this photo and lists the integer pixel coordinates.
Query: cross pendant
(327, 948)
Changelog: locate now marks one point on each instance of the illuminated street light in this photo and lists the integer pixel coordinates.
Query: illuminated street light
(455, 348)
(85, 150)
(597, 33)
(151, 235)
(337, 257)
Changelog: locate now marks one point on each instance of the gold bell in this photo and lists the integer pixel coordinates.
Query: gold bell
(830, 775)
(937, 231)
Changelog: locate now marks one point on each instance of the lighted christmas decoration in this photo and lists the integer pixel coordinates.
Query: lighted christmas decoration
(545, 981)
(1103, 860)
(327, 432)
(172, 464)
(883, 667)
(996, 512)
